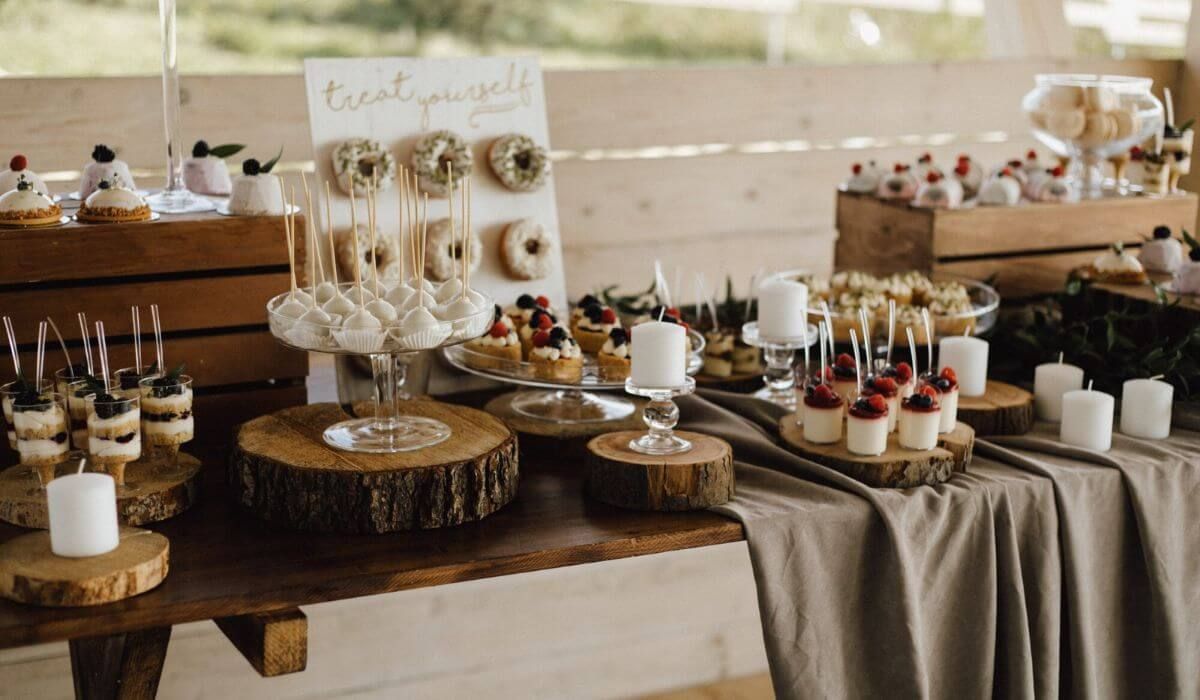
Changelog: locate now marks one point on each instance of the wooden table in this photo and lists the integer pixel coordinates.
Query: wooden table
(250, 577)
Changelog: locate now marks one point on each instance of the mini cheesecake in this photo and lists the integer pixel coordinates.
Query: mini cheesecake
(522, 311)
(718, 353)
(615, 356)
(25, 206)
(822, 414)
(114, 430)
(555, 356)
(844, 377)
(499, 348)
(902, 373)
(113, 203)
(867, 425)
(920, 417)
(42, 430)
(166, 407)
(592, 328)
(539, 320)
(889, 390)
(947, 385)
(105, 167)
(205, 172)
(256, 192)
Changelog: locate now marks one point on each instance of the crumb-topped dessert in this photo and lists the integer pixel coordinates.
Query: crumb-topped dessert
(105, 167)
(112, 202)
(114, 429)
(25, 206)
(166, 405)
(555, 355)
(1116, 266)
(40, 423)
(718, 352)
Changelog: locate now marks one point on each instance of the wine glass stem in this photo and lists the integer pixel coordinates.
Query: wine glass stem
(388, 376)
(171, 99)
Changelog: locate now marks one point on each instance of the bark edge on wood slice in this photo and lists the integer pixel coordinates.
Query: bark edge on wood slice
(31, 573)
(156, 488)
(1003, 409)
(897, 467)
(501, 407)
(694, 480)
(281, 470)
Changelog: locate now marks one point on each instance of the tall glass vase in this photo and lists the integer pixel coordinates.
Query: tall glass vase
(175, 197)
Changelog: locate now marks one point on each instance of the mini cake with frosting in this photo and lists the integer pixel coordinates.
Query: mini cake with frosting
(105, 167)
(889, 389)
(862, 180)
(592, 328)
(939, 192)
(256, 192)
(556, 356)
(1116, 266)
(867, 425)
(18, 169)
(1162, 253)
(900, 184)
(499, 348)
(925, 166)
(969, 175)
(1002, 190)
(718, 352)
(205, 172)
(113, 202)
(920, 418)
(1187, 277)
(822, 414)
(25, 206)
(615, 356)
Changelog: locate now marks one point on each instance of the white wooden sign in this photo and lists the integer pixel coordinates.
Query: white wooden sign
(397, 100)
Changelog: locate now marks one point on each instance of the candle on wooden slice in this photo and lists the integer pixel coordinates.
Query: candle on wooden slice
(1087, 419)
(1050, 381)
(782, 309)
(1146, 408)
(83, 515)
(969, 358)
(660, 360)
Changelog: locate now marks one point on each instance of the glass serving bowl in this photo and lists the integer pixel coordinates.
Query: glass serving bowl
(388, 431)
(1089, 118)
(563, 401)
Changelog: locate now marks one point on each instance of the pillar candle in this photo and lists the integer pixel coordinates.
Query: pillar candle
(659, 354)
(1050, 381)
(1146, 408)
(1087, 419)
(83, 515)
(968, 357)
(782, 309)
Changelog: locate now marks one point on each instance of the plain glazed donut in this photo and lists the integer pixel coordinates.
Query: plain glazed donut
(527, 250)
(433, 152)
(520, 164)
(357, 160)
(443, 252)
(387, 255)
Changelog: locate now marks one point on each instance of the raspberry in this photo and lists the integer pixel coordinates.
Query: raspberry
(878, 403)
(928, 391)
(856, 168)
(541, 339)
(899, 168)
(498, 330)
(673, 312)
(844, 360)
(904, 372)
(925, 158)
(608, 316)
(543, 302)
(545, 322)
(932, 176)
(823, 392)
(18, 162)
(948, 373)
(886, 385)
(686, 326)
(1031, 154)
(962, 168)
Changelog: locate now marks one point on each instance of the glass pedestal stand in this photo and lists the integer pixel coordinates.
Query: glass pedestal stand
(387, 432)
(661, 416)
(779, 378)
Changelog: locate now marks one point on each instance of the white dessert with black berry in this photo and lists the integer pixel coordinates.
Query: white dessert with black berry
(166, 406)
(1162, 253)
(105, 167)
(939, 192)
(256, 192)
(18, 169)
(920, 419)
(867, 425)
(1187, 277)
(205, 172)
(823, 410)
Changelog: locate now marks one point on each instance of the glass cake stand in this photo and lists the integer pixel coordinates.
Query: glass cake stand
(388, 431)
(585, 401)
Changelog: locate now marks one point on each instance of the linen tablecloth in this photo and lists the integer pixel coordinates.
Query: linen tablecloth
(1042, 571)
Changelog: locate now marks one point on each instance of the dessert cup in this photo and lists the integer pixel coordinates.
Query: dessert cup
(9, 393)
(866, 434)
(114, 432)
(166, 407)
(42, 429)
(823, 424)
(919, 424)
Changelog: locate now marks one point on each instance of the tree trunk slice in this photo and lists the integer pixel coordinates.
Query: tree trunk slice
(501, 407)
(30, 573)
(1003, 409)
(156, 488)
(694, 480)
(897, 467)
(282, 471)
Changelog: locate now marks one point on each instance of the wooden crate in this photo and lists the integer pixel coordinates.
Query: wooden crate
(210, 275)
(1028, 249)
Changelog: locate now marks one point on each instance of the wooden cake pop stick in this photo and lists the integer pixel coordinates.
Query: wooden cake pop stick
(928, 341)
(357, 254)
(424, 239)
(287, 235)
(329, 231)
(857, 364)
(310, 228)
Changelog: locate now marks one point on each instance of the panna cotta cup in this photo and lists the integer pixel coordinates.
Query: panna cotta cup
(867, 426)
(890, 391)
(822, 414)
(946, 384)
(920, 418)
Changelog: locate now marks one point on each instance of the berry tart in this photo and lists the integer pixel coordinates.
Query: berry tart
(112, 202)
(592, 329)
(25, 206)
(41, 427)
(1162, 253)
(1116, 266)
(867, 425)
(920, 418)
(939, 192)
(614, 358)
(18, 169)
(256, 192)
(105, 167)
(889, 390)
(969, 175)
(166, 405)
(946, 382)
(205, 172)
(718, 353)
(539, 320)
(556, 356)
(900, 185)
(843, 374)
(823, 409)
(577, 311)
(522, 311)
(862, 180)
(499, 348)
(1001, 190)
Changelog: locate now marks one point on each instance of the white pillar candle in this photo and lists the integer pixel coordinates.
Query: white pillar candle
(968, 357)
(83, 515)
(1146, 408)
(782, 309)
(1050, 381)
(1087, 419)
(659, 355)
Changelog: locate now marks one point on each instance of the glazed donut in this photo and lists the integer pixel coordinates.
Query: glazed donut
(527, 250)
(386, 252)
(356, 160)
(443, 254)
(430, 156)
(520, 164)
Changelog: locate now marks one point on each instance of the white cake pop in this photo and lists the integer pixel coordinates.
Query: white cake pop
(382, 310)
(292, 307)
(449, 290)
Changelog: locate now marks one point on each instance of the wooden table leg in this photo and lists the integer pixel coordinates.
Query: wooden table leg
(120, 666)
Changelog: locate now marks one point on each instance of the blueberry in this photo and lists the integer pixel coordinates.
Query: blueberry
(558, 333)
(594, 312)
(588, 300)
(526, 301)
(618, 336)
(1161, 232)
(943, 384)
(103, 184)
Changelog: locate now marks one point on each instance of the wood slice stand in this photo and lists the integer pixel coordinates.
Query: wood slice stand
(897, 467)
(30, 573)
(501, 407)
(1003, 409)
(282, 471)
(694, 480)
(156, 488)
